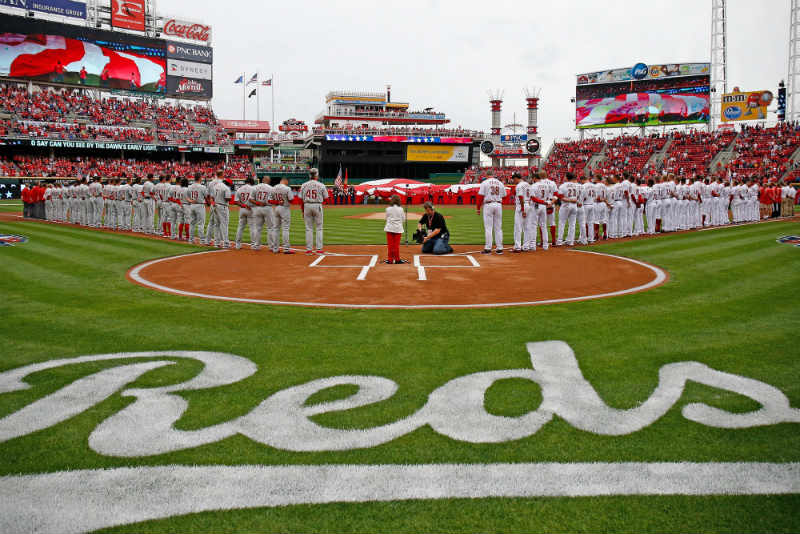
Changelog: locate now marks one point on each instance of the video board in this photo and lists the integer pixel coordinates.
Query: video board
(643, 96)
(34, 49)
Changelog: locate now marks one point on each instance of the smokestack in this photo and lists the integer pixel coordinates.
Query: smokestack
(388, 93)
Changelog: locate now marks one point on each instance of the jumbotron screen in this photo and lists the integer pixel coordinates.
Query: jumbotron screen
(643, 96)
(62, 53)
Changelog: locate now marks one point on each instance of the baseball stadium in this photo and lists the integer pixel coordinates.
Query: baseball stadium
(376, 319)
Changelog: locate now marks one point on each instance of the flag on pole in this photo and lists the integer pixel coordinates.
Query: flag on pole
(254, 79)
(267, 83)
(338, 181)
(345, 177)
(252, 93)
(240, 79)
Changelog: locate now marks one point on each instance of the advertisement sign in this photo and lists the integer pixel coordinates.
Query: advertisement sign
(516, 139)
(128, 14)
(440, 154)
(187, 69)
(63, 53)
(55, 143)
(399, 139)
(187, 30)
(189, 88)
(246, 126)
(510, 152)
(641, 71)
(189, 52)
(293, 125)
(63, 8)
(745, 106)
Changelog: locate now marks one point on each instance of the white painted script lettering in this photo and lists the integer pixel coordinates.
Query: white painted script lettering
(284, 421)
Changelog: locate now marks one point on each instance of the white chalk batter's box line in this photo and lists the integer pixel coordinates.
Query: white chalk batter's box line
(421, 274)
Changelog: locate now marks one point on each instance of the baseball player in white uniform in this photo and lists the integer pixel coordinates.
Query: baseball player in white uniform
(540, 202)
(242, 198)
(195, 199)
(490, 197)
(587, 197)
(550, 191)
(312, 195)
(222, 199)
(568, 212)
(96, 203)
(521, 214)
(160, 195)
(262, 214)
(175, 209)
(281, 198)
(137, 205)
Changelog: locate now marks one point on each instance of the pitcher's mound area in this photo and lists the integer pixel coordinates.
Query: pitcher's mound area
(356, 277)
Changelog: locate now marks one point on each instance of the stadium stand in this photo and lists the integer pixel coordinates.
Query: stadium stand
(691, 153)
(764, 151)
(572, 156)
(629, 153)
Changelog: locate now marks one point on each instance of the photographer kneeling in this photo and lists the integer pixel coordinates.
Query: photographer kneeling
(437, 240)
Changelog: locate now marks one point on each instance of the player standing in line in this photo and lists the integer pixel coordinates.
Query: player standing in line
(522, 213)
(175, 209)
(48, 202)
(262, 214)
(587, 195)
(125, 191)
(787, 200)
(222, 200)
(148, 205)
(242, 199)
(600, 208)
(626, 217)
(195, 205)
(107, 202)
(312, 195)
(138, 207)
(159, 191)
(617, 204)
(281, 200)
(490, 197)
(537, 218)
(96, 203)
(668, 205)
(550, 189)
(568, 212)
(640, 201)
(212, 229)
(83, 195)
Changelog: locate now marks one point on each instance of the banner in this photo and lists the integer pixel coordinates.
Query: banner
(516, 139)
(642, 109)
(747, 106)
(128, 14)
(189, 52)
(54, 143)
(399, 139)
(246, 126)
(187, 30)
(641, 71)
(64, 8)
(437, 153)
(189, 87)
(201, 71)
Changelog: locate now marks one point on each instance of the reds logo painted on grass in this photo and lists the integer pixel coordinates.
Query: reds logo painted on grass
(86, 500)
(790, 240)
(9, 240)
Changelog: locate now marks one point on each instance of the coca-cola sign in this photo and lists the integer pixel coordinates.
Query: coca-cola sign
(187, 30)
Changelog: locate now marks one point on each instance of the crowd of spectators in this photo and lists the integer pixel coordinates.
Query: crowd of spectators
(239, 167)
(473, 174)
(572, 156)
(764, 151)
(628, 153)
(48, 108)
(691, 152)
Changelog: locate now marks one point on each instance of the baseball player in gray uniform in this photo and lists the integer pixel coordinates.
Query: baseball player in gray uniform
(242, 198)
(281, 199)
(222, 199)
(212, 230)
(195, 205)
(312, 195)
(262, 214)
(137, 205)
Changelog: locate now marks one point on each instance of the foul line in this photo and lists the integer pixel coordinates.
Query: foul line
(87, 500)
(422, 275)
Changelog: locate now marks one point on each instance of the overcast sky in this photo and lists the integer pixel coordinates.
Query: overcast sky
(447, 54)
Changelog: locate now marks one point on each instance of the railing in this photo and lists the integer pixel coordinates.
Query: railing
(402, 131)
(383, 115)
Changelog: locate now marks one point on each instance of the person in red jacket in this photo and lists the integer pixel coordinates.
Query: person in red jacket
(26, 202)
(82, 76)
(764, 199)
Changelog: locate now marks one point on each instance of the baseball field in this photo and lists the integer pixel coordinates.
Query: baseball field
(675, 409)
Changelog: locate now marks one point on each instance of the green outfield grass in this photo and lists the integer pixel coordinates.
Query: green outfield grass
(730, 303)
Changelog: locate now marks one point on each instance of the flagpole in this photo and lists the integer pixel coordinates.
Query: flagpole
(272, 85)
(258, 98)
(244, 89)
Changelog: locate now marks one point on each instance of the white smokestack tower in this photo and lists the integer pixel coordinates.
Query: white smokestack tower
(532, 97)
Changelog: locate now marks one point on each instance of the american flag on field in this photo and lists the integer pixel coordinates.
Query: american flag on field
(338, 181)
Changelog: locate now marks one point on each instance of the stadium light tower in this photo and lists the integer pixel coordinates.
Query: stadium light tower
(719, 60)
(793, 85)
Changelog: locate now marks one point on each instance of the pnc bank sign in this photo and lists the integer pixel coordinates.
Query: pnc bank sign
(188, 52)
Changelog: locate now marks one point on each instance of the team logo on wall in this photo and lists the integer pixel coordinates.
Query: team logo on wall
(9, 240)
(487, 147)
(790, 240)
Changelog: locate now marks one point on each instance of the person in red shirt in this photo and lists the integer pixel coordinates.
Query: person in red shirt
(26, 202)
(764, 199)
(82, 76)
(59, 70)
